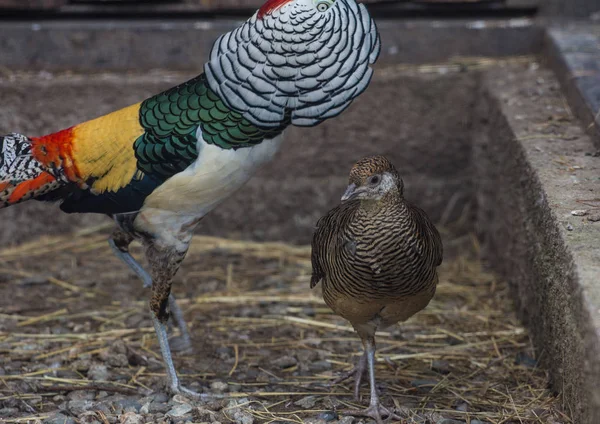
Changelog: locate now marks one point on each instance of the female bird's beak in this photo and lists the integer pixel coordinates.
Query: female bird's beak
(350, 192)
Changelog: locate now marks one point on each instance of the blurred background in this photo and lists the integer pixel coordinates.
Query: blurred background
(560, 8)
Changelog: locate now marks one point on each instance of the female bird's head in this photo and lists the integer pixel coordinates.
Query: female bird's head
(295, 61)
(372, 178)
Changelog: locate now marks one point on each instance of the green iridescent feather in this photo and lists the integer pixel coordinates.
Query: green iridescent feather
(171, 120)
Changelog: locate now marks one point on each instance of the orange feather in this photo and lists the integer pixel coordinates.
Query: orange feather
(29, 186)
(100, 150)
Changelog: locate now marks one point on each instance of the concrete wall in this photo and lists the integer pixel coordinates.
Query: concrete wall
(533, 168)
(569, 8)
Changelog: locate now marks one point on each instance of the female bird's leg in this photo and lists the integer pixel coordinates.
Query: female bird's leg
(356, 372)
(375, 410)
(119, 242)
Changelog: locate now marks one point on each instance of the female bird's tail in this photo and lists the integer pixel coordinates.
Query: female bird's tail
(22, 177)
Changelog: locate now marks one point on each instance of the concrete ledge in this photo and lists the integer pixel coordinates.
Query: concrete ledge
(574, 52)
(185, 45)
(534, 168)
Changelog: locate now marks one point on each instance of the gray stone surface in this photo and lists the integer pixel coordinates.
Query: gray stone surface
(185, 44)
(534, 168)
(574, 51)
(569, 8)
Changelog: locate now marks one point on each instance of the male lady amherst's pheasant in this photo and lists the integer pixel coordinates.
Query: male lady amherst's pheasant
(159, 166)
(376, 256)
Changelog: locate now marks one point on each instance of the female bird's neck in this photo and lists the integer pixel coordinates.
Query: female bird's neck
(388, 201)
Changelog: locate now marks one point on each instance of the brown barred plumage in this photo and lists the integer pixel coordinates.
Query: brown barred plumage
(376, 256)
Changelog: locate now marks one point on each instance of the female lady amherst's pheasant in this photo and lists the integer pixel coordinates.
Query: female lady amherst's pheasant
(159, 166)
(376, 256)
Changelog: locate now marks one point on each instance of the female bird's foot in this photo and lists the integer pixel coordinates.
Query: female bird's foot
(356, 372)
(376, 412)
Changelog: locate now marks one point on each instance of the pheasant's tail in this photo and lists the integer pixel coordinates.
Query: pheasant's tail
(22, 177)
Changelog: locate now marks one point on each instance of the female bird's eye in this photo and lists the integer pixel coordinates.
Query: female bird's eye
(323, 6)
(374, 179)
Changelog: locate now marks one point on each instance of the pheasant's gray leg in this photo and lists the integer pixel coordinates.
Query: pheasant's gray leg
(357, 372)
(375, 410)
(122, 252)
(164, 262)
(119, 242)
(184, 341)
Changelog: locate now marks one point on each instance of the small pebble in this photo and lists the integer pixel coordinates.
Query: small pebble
(569, 227)
(88, 418)
(160, 397)
(131, 418)
(145, 409)
(328, 416)
(579, 212)
(35, 280)
(463, 407)
(102, 407)
(306, 402)
(118, 360)
(204, 415)
(98, 372)
(219, 386)
(306, 355)
(594, 218)
(320, 366)
(235, 387)
(59, 418)
(180, 410)
(285, 362)
(9, 412)
(127, 405)
(443, 367)
(158, 407)
(224, 353)
(78, 407)
(241, 417)
(135, 359)
(81, 395)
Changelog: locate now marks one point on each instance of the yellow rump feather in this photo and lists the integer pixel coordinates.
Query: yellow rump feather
(103, 149)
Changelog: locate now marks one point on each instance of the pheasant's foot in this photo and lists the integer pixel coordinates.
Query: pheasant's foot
(356, 372)
(376, 412)
(178, 389)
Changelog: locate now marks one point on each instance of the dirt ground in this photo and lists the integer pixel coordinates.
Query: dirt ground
(77, 345)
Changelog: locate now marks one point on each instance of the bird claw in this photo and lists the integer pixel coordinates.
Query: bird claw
(178, 389)
(356, 372)
(375, 412)
(347, 375)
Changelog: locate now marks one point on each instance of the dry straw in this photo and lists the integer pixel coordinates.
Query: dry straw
(68, 301)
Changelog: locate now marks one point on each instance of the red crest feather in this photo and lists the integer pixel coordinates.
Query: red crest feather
(270, 6)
